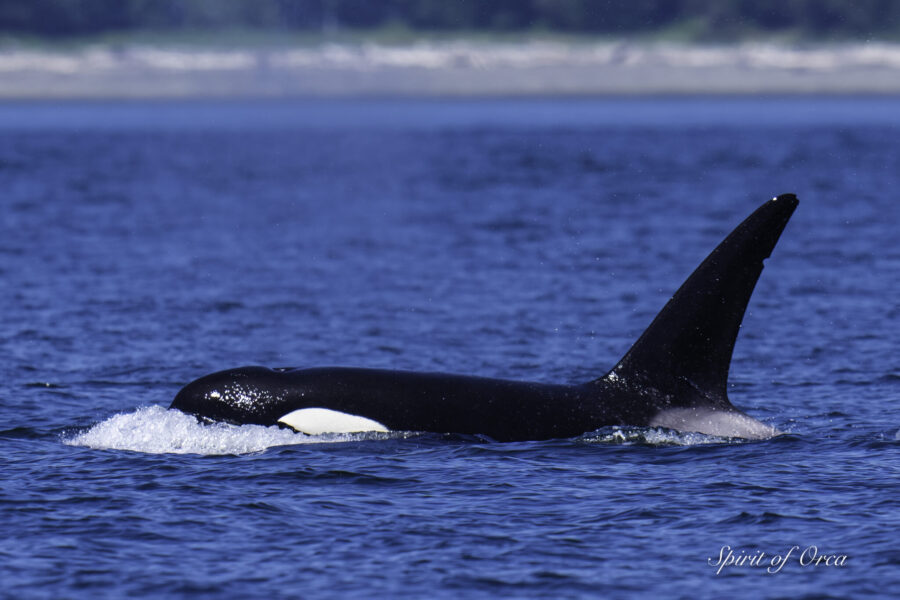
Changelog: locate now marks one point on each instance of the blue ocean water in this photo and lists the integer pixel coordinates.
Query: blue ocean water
(144, 244)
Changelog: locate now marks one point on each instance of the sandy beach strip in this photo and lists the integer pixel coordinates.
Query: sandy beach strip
(449, 68)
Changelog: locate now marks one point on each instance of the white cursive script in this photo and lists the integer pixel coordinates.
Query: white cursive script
(774, 563)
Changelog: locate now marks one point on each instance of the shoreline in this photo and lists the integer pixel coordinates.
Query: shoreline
(454, 68)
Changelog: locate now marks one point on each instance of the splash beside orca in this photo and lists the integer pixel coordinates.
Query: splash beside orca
(674, 376)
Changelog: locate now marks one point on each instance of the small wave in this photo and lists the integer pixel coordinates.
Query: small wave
(157, 430)
(652, 436)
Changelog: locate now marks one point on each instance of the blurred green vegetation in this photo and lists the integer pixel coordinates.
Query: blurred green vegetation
(690, 20)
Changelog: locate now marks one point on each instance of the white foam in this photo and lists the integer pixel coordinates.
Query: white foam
(156, 430)
(652, 436)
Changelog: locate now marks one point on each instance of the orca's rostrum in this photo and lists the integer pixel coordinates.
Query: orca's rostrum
(674, 376)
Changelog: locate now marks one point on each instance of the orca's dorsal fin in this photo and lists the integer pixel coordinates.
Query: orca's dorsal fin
(686, 351)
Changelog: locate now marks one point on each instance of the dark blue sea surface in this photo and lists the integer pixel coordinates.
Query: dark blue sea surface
(145, 244)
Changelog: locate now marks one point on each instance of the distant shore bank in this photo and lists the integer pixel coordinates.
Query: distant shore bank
(448, 68)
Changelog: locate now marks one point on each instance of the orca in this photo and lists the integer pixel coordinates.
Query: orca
(674, 376)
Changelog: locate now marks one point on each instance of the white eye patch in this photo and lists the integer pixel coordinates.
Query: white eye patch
(316, 421)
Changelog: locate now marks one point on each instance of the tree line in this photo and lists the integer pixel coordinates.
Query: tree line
(707, 17)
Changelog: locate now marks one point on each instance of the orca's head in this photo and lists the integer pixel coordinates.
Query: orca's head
(245, 395)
